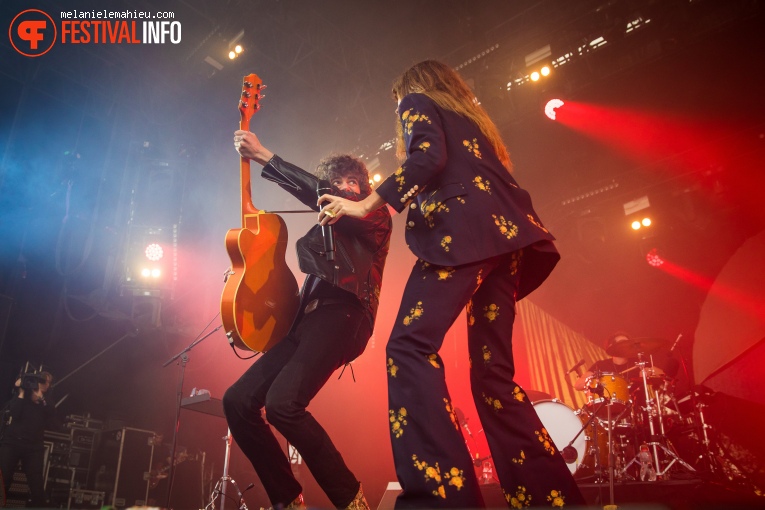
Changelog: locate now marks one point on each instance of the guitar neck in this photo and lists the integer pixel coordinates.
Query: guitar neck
(249, 103)
(245, 178)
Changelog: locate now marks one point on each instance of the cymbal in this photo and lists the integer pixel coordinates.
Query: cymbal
(635, 346)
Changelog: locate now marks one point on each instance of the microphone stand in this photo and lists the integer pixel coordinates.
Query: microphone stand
(179, 396)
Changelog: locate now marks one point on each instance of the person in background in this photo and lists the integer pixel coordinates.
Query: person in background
(23, 434)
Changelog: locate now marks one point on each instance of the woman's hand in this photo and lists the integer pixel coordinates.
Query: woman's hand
(248, 146)
(336, 207)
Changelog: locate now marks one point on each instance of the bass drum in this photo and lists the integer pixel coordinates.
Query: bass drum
(562, 423)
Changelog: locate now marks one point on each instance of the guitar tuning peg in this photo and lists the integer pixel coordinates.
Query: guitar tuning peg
(262, 86)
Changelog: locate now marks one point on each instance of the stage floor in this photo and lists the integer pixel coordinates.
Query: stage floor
(672, 495)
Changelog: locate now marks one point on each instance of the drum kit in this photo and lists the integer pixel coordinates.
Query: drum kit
(620, 434)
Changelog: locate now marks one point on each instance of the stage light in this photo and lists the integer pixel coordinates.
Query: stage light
(156, 273)
(377, 177)
(646, 222)
(231, 55)
(534, 76)
(653, 258)
(238, 49)
(636, 225)
(145, 272)
(154, 252)
(551, 106)
(545, 71)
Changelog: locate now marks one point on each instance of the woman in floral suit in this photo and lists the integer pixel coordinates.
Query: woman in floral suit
(480, 246)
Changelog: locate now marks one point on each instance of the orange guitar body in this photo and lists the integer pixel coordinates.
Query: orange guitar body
(260, 297)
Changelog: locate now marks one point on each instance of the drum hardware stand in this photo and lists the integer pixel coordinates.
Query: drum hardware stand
(220, 486)
(179, 397)
(654, 443)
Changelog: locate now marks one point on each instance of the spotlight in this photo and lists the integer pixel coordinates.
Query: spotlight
(238, 49)
(377, 177)
(145, 272)
(653, 258)
(154, 252)
(231, 55)
(534, 76)
(551, 106)
(636, 225)
(646, 222)
(545, 71)
(155, 273)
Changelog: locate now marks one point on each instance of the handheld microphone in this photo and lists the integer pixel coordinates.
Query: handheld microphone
(579, 364)
(323, 187)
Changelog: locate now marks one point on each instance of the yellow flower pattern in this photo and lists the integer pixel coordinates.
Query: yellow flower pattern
(506, 227)
(444, 273)
(494, 403)
(521, 458)
(472, 147)
(452, 414)
(414, 313)
(455, 476)
(424, 146)
(479, 279)
(486, 354)
(397, 421)
(515, 261)
(392, 368)
(482, 184)
(433, 360)
(445, 242)
(398, 175)
(556, 498)
(430, 208)
(410, 118)
(535, 222)
(469, 313)
(491, 312)
(520, 499)
(518, 394)
(544, 438)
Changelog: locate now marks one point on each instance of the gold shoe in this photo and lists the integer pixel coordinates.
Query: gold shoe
(359, 502)
(297, 504)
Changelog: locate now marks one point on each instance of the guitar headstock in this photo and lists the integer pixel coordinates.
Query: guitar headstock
(249, 103)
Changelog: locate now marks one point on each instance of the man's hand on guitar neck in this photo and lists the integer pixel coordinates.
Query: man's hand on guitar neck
(248, 146)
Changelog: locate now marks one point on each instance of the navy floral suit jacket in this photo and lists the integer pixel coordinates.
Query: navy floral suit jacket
(462, 204)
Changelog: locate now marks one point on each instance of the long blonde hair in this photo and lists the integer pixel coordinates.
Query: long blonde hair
(449, 91)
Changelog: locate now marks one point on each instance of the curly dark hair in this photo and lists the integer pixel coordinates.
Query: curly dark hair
(344, 165)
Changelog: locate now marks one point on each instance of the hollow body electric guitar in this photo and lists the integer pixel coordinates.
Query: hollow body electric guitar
(260, 296)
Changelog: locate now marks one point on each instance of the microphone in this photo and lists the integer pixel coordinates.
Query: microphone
(462, 420)
(323, 187)
(676, 342)
(579, 364)
(569, 454)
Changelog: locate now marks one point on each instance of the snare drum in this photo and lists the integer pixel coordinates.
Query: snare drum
(562, 423)
(615, 389)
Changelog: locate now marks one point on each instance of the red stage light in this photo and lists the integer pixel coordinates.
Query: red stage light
(653, 258)
(551, 106)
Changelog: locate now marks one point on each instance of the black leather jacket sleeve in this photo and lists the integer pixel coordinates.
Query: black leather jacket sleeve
(293, 179)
